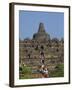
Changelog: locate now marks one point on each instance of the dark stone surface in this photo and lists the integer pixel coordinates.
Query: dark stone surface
(41, 34)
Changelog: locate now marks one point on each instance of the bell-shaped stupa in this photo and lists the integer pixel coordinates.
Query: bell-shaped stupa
(41, 34)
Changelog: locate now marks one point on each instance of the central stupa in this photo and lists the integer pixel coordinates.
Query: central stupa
(41, 34)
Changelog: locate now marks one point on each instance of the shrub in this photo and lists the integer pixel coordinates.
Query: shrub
(25, 69)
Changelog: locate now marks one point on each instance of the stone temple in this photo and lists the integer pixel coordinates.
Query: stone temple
(41, 35)
(29, 49)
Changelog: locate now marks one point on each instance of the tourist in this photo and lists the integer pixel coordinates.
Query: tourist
(40, 68)
(42, 57)
(45, 72)
(29, 55)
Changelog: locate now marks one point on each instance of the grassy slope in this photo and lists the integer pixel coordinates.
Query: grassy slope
(58, 72)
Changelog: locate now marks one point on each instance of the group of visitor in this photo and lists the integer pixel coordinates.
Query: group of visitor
(43, 69)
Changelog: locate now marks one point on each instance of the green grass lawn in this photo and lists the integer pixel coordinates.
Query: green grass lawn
(58, 72)
(25, 72)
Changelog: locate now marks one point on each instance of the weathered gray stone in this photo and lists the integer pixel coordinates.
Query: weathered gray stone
(29, 50)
